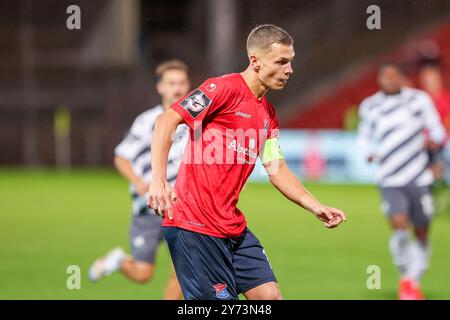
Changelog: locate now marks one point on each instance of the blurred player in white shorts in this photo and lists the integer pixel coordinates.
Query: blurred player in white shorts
(132, 160)
(391, 133)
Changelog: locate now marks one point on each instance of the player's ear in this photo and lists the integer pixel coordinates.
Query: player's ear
(254, 61)
(159, 88)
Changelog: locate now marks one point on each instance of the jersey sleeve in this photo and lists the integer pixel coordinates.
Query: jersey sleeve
(272, 150)
(202, 103)
(273, 131)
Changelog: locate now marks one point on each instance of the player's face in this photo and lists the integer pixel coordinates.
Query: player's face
(275, 66)
(430, 79)
(390, 79)
(173, 85)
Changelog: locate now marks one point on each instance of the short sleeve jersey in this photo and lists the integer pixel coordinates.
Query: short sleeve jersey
(228, 128)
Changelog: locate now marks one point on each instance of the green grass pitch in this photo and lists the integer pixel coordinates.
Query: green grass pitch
(50, 220)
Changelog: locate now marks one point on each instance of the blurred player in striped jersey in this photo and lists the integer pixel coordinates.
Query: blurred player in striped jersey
(391, 133)
(132, 160)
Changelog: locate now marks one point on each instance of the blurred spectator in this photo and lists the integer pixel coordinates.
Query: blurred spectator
(315, 164)
(429, 52)
(430, 80)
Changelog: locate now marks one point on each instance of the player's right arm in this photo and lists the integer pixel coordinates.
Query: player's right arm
(160, 192)
(191, 110)
(125, 168)
(365, 132)
(127, 150)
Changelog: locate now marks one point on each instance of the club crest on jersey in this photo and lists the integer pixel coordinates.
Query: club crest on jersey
(211, 87)
(196, 103)
(221, 290)
(266, 126)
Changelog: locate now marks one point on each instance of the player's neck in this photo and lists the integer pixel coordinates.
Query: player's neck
(165, 104)
(256, 86)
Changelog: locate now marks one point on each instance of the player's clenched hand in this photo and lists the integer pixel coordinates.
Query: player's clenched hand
(331, 217)
(161, 197)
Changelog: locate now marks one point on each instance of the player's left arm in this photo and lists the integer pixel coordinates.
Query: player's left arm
(291, 187)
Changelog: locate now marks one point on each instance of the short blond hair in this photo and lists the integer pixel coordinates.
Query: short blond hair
(170, 65)
(263, 36)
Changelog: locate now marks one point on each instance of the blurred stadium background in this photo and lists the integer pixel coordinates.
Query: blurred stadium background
(68, 96)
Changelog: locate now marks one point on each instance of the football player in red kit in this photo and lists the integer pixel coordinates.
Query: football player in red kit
(215, 254)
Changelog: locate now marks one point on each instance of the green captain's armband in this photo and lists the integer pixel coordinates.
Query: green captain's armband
(271, 151)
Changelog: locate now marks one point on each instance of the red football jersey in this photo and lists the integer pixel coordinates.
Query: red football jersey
(229, 126)
(442, 103)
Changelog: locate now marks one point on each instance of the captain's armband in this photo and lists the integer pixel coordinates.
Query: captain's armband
(271, 151)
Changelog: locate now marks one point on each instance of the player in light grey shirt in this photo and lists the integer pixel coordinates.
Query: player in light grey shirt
(392, 133)
(132, 159)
